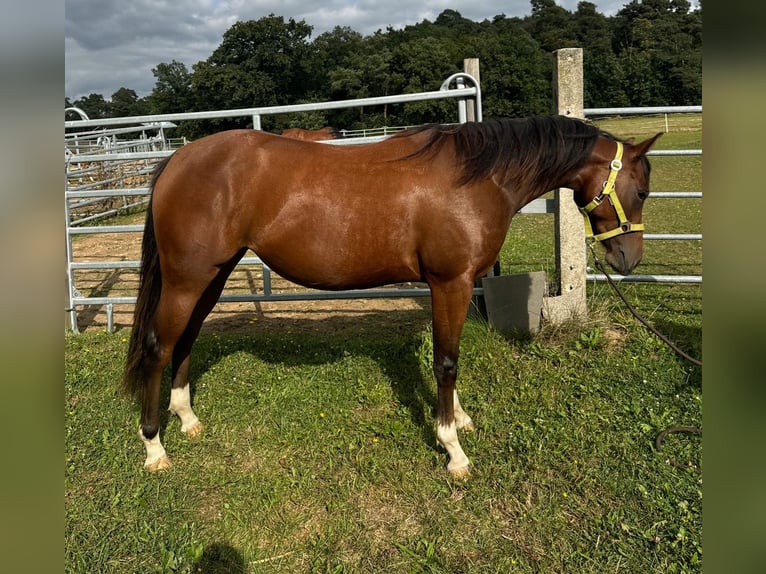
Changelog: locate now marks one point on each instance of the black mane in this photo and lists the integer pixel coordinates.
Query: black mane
(529, 151)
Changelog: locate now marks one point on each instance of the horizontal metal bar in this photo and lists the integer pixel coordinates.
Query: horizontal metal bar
(78, 137)
(136, 264)
(105, 265)
(119, 156)
(105, 229)
(672, 152)
(650, 110)
(108, 192)
(356, 140)
(271, 110)
(646, 278)
(675, 194)
(673, 236)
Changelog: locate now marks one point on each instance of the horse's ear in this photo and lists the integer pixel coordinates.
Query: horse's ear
(641, 148)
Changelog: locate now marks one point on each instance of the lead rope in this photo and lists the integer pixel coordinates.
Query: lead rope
(643, 321)
(658, 441)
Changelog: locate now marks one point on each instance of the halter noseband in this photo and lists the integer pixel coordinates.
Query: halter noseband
(609, 192)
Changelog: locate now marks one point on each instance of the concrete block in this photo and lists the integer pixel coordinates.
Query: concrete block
(514, 303)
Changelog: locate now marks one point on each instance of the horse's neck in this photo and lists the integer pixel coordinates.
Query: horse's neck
(525, 192)
(534, 181)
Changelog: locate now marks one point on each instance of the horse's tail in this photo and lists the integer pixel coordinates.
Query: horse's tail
(143, 339)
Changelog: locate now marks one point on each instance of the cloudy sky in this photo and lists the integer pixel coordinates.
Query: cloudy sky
(111, 44)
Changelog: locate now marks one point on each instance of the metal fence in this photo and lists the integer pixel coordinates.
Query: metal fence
(108, 168)
(109, 162)
(659, 110)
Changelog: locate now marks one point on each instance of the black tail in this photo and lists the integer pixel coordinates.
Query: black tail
(143, 339)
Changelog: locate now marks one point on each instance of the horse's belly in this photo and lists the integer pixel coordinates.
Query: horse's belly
(340, 265)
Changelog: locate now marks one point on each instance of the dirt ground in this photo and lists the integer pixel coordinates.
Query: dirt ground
(315, 316)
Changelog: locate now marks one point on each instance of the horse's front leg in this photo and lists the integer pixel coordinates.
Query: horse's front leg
(449, 305)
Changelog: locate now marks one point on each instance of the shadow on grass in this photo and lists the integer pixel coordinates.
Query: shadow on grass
(220, 558)
(390, 338)
(688, 339)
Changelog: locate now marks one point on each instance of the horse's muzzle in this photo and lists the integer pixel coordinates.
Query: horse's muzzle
(621, 262)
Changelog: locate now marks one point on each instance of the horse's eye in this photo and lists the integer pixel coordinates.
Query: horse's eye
(643, 194)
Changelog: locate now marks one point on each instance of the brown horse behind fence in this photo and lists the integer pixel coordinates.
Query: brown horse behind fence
(327, 133)
(430, 204)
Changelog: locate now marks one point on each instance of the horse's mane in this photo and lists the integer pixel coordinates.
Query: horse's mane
(532, 151)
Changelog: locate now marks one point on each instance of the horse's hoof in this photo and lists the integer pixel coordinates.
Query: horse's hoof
(468, 427)
(461, 473)
(195, 430)
(159, 464)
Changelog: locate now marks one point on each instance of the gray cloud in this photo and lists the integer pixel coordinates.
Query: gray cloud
(111, 44)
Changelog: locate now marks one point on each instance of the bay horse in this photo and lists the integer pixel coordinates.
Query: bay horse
(430, 204)
(326, 133)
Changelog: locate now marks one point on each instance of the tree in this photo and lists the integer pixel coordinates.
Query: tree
(261, 62)
(269, 47)
(125, 102)
(551, 25)
(424, 63)
(333, 49)
(603, 75)
(172, 91)
(659, 43)
(648, 54)
(94, 105)
(365, 73)
(515, 72)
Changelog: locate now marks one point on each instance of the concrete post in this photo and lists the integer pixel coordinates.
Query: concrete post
(569, 301)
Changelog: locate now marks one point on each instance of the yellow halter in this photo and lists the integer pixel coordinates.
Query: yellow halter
(609, 192)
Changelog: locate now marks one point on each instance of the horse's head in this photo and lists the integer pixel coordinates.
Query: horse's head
(610, 191)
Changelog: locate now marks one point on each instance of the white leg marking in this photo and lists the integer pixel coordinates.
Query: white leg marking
(462, 420)
(459, 466)
(156, 457)
(180, 404)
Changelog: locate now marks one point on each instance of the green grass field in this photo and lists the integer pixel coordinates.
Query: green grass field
(319, 452)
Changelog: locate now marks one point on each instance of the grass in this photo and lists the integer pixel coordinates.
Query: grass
(319, 450)
(319, 457)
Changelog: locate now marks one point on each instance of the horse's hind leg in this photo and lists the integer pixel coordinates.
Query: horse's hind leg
(180, 394)
(173, 312)
(179, 302)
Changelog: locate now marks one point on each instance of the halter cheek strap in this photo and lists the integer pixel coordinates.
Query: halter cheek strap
(609, 192)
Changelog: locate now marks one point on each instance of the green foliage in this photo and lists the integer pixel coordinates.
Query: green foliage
(173, 89)
(649, 53)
